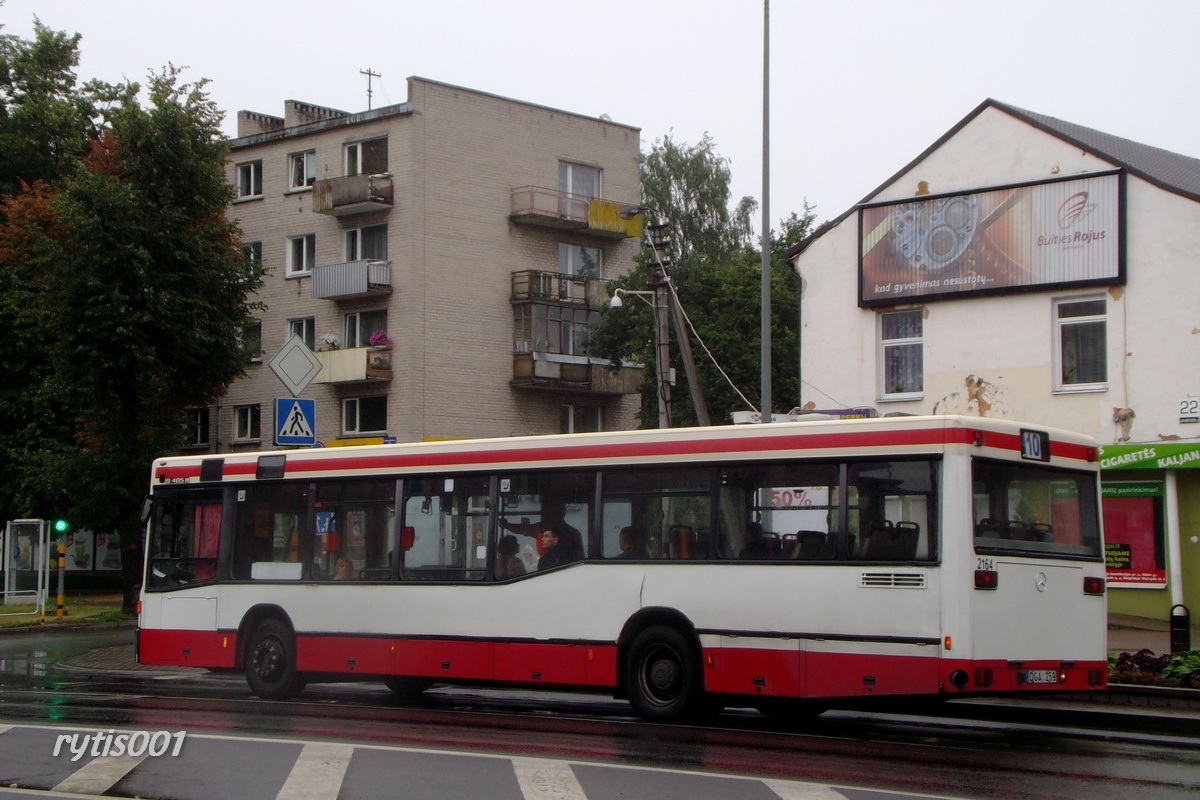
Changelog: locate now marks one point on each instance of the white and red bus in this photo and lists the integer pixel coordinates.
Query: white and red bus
(774, 566)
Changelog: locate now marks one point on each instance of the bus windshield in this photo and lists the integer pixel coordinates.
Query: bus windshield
(1035, 510)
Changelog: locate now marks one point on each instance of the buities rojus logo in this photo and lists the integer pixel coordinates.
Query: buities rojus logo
(1073, 209)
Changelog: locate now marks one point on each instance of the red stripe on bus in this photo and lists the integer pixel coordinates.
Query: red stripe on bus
(548, 456)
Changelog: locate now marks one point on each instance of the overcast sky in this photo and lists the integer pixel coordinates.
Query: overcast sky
(858, 89)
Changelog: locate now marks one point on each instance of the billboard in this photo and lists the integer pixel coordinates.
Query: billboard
(1064, 232)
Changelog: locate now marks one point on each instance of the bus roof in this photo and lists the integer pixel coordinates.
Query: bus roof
(884, 436)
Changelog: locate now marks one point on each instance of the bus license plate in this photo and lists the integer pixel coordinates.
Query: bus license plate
(1041, 676)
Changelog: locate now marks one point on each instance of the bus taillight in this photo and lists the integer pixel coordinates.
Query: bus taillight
(986, 579)
(1093, 585)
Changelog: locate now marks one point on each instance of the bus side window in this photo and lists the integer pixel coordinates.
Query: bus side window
(448, 518)
(267, 523)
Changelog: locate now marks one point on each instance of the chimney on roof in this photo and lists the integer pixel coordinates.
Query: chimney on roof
(298, 113)
(250, 123)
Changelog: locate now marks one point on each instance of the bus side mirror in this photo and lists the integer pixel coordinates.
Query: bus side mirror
(147, 508)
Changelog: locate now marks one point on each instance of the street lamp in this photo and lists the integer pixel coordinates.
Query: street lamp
(662, 346)
(661, 246)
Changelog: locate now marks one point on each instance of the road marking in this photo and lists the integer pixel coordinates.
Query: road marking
(542, 779)
(100, 774)
(791, 790)
(318, 772)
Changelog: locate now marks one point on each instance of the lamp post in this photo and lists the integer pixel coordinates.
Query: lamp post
(662, 346)
(660, 245)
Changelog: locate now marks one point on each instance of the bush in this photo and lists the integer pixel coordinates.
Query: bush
(1144, 668)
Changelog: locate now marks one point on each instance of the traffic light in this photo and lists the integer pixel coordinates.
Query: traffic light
(62, 522)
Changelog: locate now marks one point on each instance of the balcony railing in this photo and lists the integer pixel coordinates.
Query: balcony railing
(557, 287)
(557, 372)
(551, 208)
(352, 194)
(354, 365)
(351, 279)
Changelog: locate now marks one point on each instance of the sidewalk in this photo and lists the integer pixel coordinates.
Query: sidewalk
(1130, 634)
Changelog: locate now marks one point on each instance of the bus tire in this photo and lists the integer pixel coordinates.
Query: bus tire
(408, 690)
(661, 675)
(270, 662)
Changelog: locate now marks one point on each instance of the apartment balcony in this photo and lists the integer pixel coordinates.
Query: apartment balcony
(352, 194)
(555, 287)
(354, 365)
(550, 208)
(559, 372)
(352, 279)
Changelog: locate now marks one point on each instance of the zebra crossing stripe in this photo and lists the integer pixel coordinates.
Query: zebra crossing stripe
(794, 790)
(99, 775)
(318, 772)
(542, 779)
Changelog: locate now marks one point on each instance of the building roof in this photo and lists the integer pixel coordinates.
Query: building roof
(1169, 171)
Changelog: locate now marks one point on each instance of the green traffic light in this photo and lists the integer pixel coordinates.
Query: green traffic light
(61, 526)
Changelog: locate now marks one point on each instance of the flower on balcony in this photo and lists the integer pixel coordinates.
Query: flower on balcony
(380, 339)
(332, 342)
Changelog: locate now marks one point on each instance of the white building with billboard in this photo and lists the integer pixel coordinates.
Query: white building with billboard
(1030, 268)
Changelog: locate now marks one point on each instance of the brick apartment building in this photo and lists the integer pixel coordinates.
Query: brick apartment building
(470, 235)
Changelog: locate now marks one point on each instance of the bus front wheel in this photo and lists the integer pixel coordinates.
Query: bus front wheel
(662, 675)
(270, 662)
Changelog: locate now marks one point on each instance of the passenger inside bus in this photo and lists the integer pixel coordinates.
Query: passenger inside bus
(560, 546)
(508, 564)
(632, 543)
(343, 570)
(756, 543)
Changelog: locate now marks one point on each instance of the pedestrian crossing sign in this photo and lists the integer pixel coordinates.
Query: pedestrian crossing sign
(295, 421)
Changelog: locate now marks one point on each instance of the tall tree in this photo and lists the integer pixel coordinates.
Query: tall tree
(716, 274)
(686, 188)
(138, 285)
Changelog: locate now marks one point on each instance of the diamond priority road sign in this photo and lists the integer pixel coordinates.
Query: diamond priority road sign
(295, 365)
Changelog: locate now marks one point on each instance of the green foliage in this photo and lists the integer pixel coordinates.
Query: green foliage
(717, 275)
(1184, 669)
(1144, 668)
(121, 280)
(687, 186)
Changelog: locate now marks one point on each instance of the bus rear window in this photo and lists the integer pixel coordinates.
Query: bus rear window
(1035, 510)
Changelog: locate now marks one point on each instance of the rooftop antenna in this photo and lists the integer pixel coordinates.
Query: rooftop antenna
(370, 74)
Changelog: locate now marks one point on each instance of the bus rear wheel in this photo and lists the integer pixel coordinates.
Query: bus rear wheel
(662, 675)
(270, 662)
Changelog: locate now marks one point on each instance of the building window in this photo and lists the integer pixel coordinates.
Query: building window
(578, 179)
(902, 354)
(302, 170)
(249, 180)
(252, 252)
(577, 259)
(367, 244)
(246, 427)
(581, 419)
(361, 324)
(1081, 345)
(367, 158)
(553, 329)
(301, 254)
(364, 415)
(305, 329)
(252, 341)
(197, 435)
